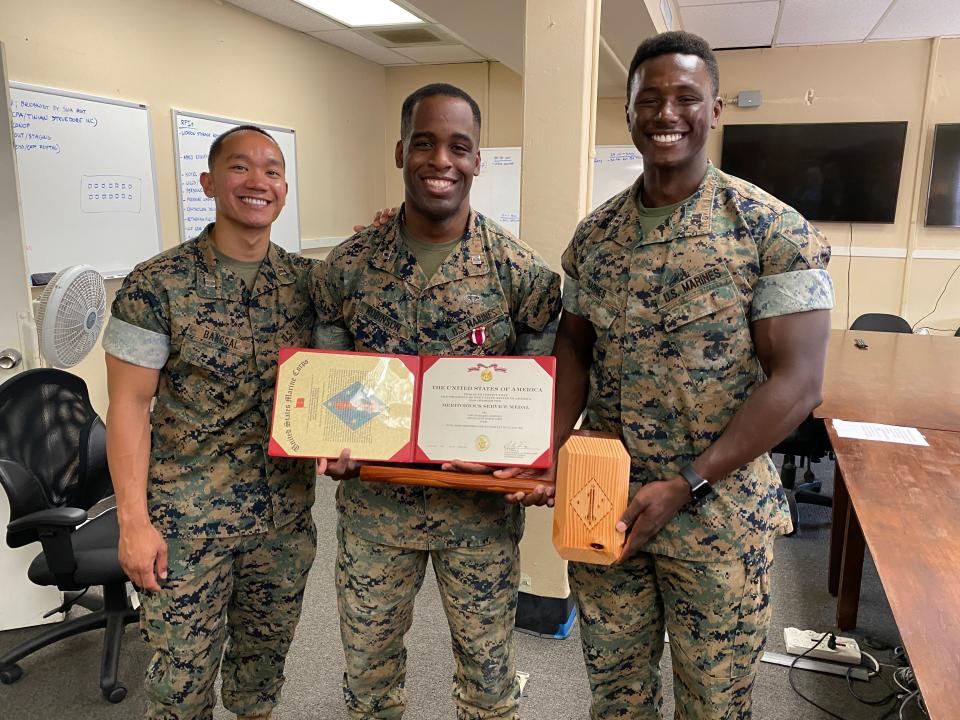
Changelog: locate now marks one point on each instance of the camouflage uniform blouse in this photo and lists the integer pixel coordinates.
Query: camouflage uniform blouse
(371, 296)
(674, 359)
(215, 344)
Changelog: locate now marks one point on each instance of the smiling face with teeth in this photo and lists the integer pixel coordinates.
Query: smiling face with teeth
(439, 158)
(247, 182)
(671, 110)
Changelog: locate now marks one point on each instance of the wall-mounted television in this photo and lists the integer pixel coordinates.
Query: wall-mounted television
(943, 190)
(829, 172)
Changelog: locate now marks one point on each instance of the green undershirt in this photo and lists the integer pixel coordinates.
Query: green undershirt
(429, 255)
(246, 270)
(652, 218)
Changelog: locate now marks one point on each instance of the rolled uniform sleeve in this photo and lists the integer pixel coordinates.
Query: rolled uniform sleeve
(793, 269)
(138, 331)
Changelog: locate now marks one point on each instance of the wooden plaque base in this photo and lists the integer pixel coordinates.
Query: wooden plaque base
(593, 481)
(439, 478)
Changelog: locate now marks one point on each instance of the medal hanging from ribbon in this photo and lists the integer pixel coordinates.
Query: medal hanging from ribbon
(478, 335)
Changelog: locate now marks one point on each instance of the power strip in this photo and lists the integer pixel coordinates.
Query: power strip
(800, 642)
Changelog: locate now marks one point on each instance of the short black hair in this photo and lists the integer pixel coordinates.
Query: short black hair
(432, 90)
(217, 145)
(680, 43)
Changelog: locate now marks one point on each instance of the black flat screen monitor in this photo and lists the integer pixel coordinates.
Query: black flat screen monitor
(829, 172)
(943, 192)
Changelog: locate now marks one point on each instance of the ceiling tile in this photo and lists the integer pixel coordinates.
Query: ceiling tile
(733, 25)
(810, 22)
(919, 18)
(289, 13)
(439, 53)
(359, 45)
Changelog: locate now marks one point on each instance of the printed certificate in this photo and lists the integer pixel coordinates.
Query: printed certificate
(406, 409)
(495, 411)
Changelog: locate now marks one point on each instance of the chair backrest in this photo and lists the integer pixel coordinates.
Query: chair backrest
(957, 333)
(49, 429)
(881, 322)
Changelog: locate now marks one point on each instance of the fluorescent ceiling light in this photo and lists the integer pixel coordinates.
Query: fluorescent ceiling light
(363, 13)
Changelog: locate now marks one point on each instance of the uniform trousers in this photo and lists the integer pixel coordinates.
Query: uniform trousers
(376, 588)
(235, 598)
(716, 615)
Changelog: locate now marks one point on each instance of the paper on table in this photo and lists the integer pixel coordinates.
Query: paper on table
(881, 433)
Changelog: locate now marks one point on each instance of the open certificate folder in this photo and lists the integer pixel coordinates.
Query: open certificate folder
(409, 409)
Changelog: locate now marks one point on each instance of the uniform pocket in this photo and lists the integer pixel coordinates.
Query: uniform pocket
(208, 376)
(482, 336)
(709, 329)
(377, 331)
(596, 307)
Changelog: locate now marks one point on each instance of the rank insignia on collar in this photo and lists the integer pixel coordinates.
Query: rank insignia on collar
(478, 335)
(473, 299)
(476, 260)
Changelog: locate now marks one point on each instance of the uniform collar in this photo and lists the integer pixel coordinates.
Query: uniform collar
(469, 258)
(216, 281)
(691, 218)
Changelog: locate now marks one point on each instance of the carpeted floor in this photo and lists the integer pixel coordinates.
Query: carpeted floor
(61, 682)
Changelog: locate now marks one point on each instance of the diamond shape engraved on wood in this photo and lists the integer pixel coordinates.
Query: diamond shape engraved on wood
(591, 504)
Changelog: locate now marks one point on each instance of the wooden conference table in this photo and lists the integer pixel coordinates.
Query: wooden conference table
(903, 501)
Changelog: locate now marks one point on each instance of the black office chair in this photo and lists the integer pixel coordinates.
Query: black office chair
(810, 444)
(53, 467)
(881, 322)
(957, 333)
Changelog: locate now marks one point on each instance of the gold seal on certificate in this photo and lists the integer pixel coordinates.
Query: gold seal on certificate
(400, 408)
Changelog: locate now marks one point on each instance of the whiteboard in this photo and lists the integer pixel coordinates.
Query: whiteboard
(87, 181)
(496, 191)
(193, 134)
(615, 168)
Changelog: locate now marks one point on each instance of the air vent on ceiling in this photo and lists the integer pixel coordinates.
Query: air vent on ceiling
(407, 36)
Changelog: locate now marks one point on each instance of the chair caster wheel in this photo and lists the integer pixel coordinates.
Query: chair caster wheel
(9, 674)
(115, 694)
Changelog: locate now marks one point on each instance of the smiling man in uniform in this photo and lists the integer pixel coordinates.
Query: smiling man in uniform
(218, 535)
(436, 279)
(695, 325)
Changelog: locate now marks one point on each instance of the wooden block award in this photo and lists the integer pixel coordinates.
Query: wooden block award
(593, 480)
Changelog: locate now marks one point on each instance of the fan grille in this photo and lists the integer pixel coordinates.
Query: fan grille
(75, 302)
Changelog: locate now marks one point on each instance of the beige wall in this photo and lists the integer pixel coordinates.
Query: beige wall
(861, 82)
(849, 82)
(211, 57)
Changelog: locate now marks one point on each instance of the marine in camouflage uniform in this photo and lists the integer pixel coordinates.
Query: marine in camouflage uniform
(239, 535)
(372, 296)
(673, 362)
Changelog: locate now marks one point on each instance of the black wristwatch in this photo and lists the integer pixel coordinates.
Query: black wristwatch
(699, 487)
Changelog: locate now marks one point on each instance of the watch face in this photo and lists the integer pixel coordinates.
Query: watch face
(701, 490)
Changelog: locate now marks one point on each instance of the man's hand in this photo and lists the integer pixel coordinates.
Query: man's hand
(143, 555)
(343, 468)
(542, 495)
(381, 218)
(651, 508)
(322, 466)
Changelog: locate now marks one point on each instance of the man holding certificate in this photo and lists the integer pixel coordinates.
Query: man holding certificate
(437, 279)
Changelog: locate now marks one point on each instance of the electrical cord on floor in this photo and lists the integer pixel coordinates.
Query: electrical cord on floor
(793, 666)
(906, 691)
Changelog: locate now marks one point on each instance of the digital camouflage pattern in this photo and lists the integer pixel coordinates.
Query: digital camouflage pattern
(377, 585)
(262, 577)
(210, 475)
(674, 359)
(673, 362)
(371, 296)
(716, 614)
